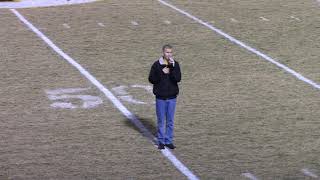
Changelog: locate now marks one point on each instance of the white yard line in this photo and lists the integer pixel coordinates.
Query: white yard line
(66, 26)
(264, 19)
(134, 23)
(116, 102)
(293, 17)
(234, 20)
(242, 44)
(249, 176)
(40, 3)
(101, 24)
(307, 172)
(167, 22)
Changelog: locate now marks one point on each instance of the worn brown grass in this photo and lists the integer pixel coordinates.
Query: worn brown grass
(236, 112)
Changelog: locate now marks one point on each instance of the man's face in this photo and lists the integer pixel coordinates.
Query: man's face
(167, 53)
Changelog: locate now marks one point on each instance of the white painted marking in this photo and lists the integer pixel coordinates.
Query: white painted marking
(66, 91)
(293, 17)
(63, 105)
(146, 87)
(116, 102)
(167, 22)
(167, 153)
(134, 23)
(130, 99)
(249, 176)
(264, 19)
(41, 3)
(101, 24)
(120, 90)
(251, 49)
(234, 20)
(309, 173)
(88, 101)
(66, 26)
(123, 94)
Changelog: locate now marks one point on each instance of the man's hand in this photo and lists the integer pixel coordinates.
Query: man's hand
(166, 70)
(171, 61)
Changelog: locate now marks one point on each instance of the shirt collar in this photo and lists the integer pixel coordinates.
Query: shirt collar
(161, 61)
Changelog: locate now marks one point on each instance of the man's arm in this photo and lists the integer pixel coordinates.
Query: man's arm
(154, 75)
(175, 72)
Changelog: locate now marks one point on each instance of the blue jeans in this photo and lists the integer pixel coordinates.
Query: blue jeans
(165, 119)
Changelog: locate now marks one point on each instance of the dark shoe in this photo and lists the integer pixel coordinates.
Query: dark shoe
(161, 146)
(170, 146)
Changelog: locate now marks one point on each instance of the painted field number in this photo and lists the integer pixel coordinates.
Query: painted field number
(73, 98)
(124, 95)
(65, 98)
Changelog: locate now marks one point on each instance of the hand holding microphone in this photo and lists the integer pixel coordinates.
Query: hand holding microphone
(166, 70)
(171, 61)
(170, 64)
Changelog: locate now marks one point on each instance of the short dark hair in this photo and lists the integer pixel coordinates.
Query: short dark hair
(167, 46)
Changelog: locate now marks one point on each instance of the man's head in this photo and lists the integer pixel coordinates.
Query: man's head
(167, 51)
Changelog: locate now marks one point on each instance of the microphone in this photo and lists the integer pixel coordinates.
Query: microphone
(171, 61)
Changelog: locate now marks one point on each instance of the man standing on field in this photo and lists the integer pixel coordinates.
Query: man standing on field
(164, 75)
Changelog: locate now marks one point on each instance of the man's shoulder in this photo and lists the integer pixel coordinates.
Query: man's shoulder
(155, 63)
